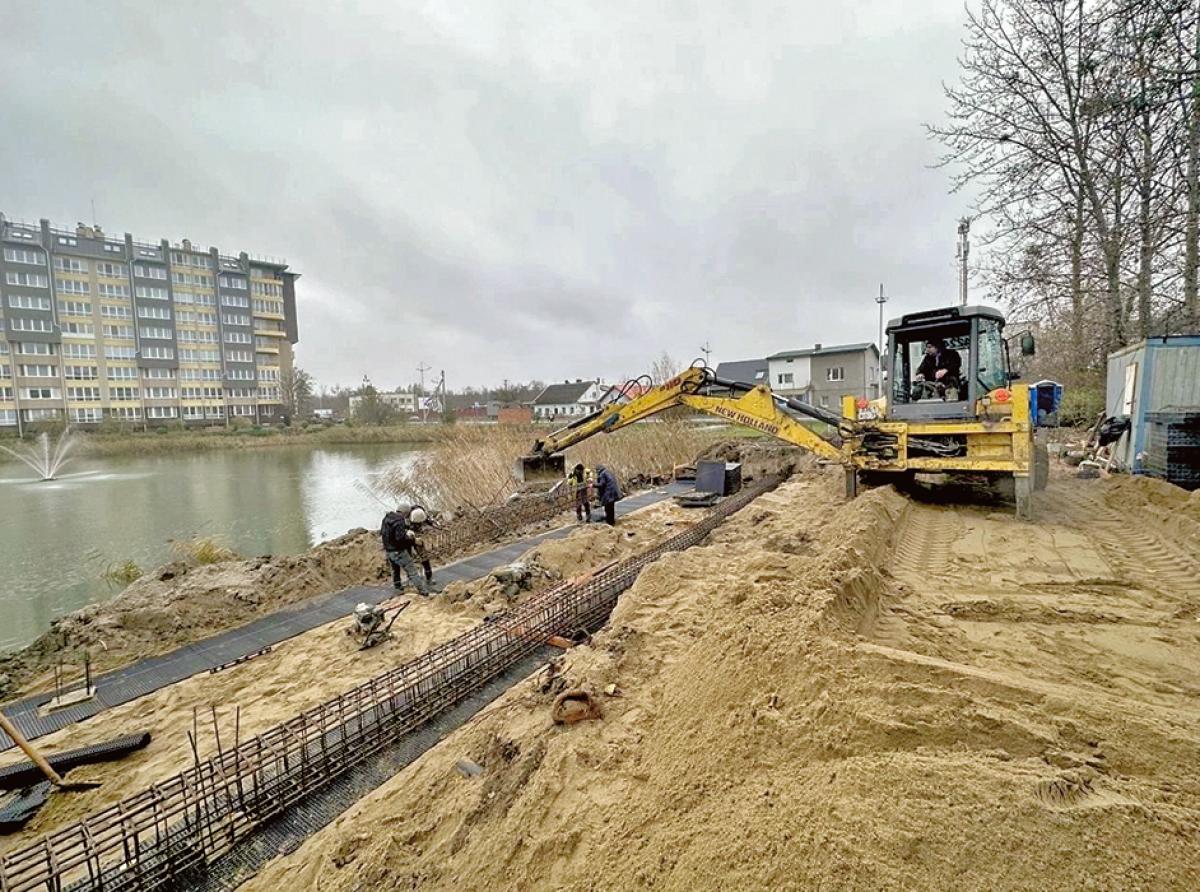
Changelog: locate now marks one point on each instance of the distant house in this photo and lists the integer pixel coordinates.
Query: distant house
(514, 415)
(571, 399)
(401, 401)
(823, 375)
(623, 393)
(747, 371)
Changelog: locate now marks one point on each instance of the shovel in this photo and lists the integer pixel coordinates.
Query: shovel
(40, 761)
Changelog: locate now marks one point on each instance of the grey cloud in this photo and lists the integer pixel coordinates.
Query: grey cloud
(502, 189)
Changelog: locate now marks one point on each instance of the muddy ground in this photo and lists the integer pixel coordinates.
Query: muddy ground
(890, 693)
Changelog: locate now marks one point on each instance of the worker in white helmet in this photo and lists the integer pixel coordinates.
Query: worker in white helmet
(402, 543)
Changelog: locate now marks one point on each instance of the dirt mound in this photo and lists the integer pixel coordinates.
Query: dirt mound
(759, 457)
(179, 602)
(788, 706)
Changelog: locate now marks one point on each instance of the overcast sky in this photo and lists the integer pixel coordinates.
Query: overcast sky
(508, 190)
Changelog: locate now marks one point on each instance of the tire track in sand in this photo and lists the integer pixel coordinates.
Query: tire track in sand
(1138, 554)
(925, 542)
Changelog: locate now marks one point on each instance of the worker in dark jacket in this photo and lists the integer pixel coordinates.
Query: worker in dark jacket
(608, 493)
(580, 480)
(940, 369)
(401, 541)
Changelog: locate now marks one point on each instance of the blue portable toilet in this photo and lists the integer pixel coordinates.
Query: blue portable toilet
(1153, 382)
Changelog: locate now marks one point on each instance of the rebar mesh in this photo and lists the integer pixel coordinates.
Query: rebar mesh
(168, 834)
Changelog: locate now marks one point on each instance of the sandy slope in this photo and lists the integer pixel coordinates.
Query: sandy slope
(882, 694)
(308, 669)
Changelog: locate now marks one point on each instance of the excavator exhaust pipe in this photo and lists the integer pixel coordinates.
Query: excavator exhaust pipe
(541, 468)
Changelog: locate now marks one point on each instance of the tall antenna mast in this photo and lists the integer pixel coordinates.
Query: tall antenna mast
(964, 251)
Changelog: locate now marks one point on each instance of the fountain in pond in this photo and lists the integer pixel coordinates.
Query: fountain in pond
(41, 456)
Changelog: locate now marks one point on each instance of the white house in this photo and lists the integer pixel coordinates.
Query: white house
(569, 399)
(402, 401)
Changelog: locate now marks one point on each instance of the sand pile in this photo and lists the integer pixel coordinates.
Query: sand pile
(306, 670)
(795, 706)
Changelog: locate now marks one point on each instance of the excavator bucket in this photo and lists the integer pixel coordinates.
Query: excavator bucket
(539, 468)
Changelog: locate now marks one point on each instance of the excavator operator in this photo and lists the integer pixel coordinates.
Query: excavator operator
(940, 373)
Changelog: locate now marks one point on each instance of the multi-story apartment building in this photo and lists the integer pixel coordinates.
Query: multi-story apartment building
(94, 327)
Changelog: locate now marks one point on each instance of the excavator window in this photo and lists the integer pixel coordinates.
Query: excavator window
(908, 351)
(993, 358)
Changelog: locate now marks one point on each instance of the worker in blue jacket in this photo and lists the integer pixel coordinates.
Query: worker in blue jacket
(608, 493)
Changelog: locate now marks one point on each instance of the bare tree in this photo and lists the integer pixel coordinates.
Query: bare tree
(296, 390)
(664, 368)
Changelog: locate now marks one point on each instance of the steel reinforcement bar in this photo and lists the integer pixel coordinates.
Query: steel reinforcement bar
(167, 835)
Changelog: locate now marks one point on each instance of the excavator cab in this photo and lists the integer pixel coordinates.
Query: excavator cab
(979, 364)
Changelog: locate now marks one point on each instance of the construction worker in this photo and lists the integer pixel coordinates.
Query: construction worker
(940, 371)
(580, 480)
(401, 542)
(608, 493)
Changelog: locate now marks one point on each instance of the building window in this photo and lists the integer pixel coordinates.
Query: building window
(156, 333)
(35, 348)
(125, 413)
(158, 353)
(43, 325)
(114, 249)
(8, 416)
(234, 319)
(123, 394)
(84, 394)
(21, 233)
(118, 331)
(85, 416)
(113, 352)
(146, 271)
(74, 308)
(71, 286)
(238, 337)
(162, 412)
(835, 373)
(67, 240)
(116, 312)
(38, 371)
(41, 414)
(825, 401)
(28, 302)
(40, 393)
(785, 377)
(151, 292)
(26, 280)
(153, 312)
(70, 264)
(80, 372)
(239, 356)
(106, 290)
(79, 351)
(112, 270)
(20, 255)
(78, 330)
(121, 373)
(161, 393)
(160, 374)
(233, 282)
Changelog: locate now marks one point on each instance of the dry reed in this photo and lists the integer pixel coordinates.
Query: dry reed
(473, 466)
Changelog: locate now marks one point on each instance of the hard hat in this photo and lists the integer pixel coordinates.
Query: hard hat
(418, 515)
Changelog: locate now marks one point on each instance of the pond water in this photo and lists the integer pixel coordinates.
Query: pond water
(57, 537)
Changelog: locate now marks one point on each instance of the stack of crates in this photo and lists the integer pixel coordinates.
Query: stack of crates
(1173, 447)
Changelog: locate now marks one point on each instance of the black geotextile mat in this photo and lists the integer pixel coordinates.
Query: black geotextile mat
(140, 678)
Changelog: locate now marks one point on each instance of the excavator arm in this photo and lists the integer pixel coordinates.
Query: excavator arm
(749, 405)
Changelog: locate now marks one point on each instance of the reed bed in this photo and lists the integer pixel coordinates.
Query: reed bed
(473, 466)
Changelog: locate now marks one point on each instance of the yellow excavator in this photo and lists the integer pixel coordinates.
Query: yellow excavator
(977, 423)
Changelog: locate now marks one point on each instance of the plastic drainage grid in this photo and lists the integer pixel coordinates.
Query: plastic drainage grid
(173, 834)
(145, 676)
